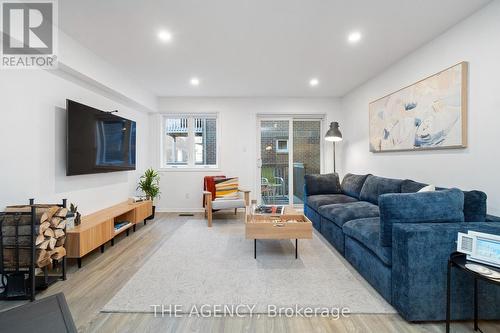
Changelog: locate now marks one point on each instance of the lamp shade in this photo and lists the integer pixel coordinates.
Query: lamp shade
(333, 133)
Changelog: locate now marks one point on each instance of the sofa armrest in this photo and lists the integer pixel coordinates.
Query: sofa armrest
(207, 196)
(420, 253)
(246, 196)
(492, 218)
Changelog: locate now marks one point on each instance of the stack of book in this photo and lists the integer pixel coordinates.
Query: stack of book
(120, 225)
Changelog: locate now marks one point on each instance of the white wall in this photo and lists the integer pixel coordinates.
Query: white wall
(182, 190)
(475, 40)
(86, 65)
(33, 142)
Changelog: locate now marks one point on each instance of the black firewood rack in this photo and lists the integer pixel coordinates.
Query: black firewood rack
(22, 277)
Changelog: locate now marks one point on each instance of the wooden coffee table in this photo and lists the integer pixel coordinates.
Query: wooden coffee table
(290, 225)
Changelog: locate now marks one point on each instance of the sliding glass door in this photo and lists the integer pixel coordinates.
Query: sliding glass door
(289, 148)
(274, 161)
(306, 154)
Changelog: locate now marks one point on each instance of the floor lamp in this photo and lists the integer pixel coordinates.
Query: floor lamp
(334, 135)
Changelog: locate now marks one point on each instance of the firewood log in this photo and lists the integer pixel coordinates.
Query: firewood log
(43, 245)
(49, 213)
(52, 243)
(61, 212)
(49, 232)
(44, 226)
(45, 262)
(43, 258)
(58, 253)
(58, 233)
(61, 224)
(41, 255)
(61, 241)
(54, 221)
(39, 239)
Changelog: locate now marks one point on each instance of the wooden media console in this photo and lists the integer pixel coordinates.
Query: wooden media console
(98, 228)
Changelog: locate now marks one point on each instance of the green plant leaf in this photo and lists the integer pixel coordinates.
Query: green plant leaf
(149, 183)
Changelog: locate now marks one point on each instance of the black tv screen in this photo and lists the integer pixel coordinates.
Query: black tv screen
(98, 141)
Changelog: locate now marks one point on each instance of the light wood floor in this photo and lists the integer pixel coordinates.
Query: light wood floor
(88, 289)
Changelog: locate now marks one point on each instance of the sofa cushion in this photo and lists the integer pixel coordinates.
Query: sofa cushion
(475, 206)
(411, 186)
(333, 234)
(367, 232)
(352, 184)
(322, 184)
(424, 207)
(342, 213)
(228, 204)
(474, 201)
(376, 186)
(316, 201)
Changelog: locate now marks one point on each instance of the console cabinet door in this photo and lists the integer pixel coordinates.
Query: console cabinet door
(94, 237)
(142, 211)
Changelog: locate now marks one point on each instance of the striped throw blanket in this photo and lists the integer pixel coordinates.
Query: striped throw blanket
(226, 188)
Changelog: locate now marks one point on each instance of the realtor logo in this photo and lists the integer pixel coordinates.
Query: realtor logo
(29, 38)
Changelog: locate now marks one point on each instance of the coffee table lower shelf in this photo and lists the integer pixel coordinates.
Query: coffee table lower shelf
(296, 248)
(291, 225)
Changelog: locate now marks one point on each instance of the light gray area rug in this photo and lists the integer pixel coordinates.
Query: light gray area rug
(199, 265)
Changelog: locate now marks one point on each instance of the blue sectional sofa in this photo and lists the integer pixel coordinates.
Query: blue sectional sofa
(400, 239)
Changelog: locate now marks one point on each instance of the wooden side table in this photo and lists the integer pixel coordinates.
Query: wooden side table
(459, 260)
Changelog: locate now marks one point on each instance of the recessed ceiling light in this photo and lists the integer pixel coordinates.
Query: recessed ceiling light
(194, 81)
(354, 37)
(313, 82)
(165, 36)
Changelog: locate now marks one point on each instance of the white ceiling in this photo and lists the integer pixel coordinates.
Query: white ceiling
(256, 47)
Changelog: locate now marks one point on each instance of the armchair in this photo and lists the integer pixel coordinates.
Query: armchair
(223, 193)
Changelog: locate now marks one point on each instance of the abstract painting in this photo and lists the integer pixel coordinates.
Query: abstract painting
(430, 114)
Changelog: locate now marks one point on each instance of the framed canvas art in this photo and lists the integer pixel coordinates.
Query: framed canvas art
(429, 114)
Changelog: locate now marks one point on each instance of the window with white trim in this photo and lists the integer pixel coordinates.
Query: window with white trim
(189, 141)
(282, 146)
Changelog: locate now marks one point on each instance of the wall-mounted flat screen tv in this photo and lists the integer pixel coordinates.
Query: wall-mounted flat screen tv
(98, 141)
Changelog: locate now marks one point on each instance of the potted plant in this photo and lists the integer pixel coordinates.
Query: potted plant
(75, 215)
(149, 184)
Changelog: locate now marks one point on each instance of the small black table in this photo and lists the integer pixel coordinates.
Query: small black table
(458, 260)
